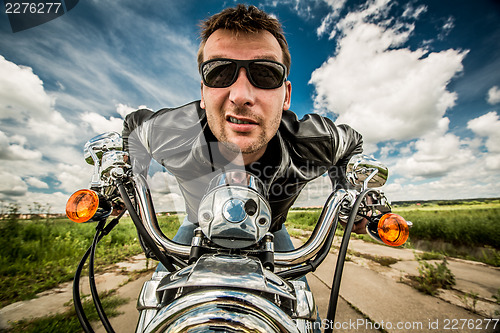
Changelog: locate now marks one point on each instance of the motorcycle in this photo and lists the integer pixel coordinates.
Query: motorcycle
(230, 278)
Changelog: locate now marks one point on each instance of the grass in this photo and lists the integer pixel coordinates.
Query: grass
(464, 231)
(38, 255)
(305, 220)
(462, 227)
(381, 260)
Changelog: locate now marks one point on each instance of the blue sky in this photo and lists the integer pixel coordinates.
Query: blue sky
(419, 79)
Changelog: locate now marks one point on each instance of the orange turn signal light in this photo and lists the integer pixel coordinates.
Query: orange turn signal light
(393, 229)
(82, 205)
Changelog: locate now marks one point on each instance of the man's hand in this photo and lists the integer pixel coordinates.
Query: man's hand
(358, 227)
(118, 208)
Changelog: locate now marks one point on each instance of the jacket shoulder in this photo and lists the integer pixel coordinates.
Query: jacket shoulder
(317, 138)
(311, 126)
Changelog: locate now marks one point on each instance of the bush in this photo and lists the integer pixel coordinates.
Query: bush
(434, 277)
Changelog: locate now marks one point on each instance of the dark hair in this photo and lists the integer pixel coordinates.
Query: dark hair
(247, 20)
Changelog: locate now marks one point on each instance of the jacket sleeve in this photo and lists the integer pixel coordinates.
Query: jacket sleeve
(131, 122)
(135, 139)
(348, 143)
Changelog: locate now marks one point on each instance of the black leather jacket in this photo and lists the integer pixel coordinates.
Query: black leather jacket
(182, 142)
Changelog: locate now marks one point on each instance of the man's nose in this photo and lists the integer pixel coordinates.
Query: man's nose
(242, 92)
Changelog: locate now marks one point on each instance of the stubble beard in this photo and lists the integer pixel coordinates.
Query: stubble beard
(253, 148)
(258, 143)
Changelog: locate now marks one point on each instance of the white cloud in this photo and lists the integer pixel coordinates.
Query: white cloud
(493, 95)
(35, 182)
(443, 166)
(124, 110)
(100, 124)
(13, 148)
(329, 19)
(73, 177)
(447, 27)
(434, 155)
(22, 93)
(400, 96)
(487, 126)
(12, 184)
(34, 137)
(412, 12)
(371, 81)
(52, 129)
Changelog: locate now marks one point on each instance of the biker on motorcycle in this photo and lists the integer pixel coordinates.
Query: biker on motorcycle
(240, 158)
(242, 120)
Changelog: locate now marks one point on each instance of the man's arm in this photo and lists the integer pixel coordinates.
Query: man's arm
(350, 143)
(135, 139)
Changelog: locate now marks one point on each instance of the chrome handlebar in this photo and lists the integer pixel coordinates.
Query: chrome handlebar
(110, 162)
(327, 222)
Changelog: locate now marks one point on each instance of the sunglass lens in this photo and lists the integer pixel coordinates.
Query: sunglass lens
(219, 73)
(266, 75)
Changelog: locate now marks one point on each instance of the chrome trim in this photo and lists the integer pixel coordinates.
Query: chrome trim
(148, 298)
(148, 219)
(145, 318)
(366, 172)
(94, 149)
(327, 221)
(226, 220)
(197, 308)
(304, 326)
(228, 271)
(306, 306)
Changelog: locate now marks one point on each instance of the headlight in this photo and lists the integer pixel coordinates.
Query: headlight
(235, 213)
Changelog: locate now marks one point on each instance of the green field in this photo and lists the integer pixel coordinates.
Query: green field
(38, 255)
(469, 231)
(464, 230)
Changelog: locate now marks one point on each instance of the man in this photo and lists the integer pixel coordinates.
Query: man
(242, 120)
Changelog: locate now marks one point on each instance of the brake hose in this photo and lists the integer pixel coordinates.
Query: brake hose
(332, 306)
(141, 229)
(93, 288)
(80, 312)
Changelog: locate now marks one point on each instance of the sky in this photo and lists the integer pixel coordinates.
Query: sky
(420, 80)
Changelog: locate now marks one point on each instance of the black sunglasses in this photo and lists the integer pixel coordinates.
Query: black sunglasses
(262, 73)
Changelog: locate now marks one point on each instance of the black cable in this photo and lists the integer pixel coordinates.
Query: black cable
(80, 313)
(93, 288)
(142, 230)
(332, 306)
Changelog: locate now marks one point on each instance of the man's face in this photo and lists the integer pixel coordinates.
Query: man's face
(241, 116)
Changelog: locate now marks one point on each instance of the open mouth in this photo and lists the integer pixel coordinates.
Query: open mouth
(239, 121)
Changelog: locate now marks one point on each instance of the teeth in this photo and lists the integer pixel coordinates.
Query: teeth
(236, 121)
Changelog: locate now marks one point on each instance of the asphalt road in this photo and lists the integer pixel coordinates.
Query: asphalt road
(372, 297)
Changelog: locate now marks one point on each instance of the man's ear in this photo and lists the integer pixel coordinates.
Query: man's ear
(202, 101)
(288, 95)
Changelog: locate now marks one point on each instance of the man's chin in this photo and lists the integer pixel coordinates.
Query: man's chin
(240, 148)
